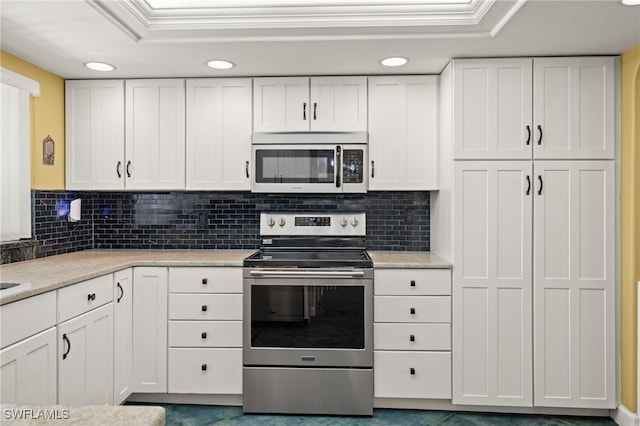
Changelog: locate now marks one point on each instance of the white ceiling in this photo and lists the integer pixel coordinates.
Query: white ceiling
(174, 38)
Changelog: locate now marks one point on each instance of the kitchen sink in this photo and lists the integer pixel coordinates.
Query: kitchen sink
(5, 286)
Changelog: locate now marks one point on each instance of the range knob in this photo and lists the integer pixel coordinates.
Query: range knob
(271, 222)
(281, 222)
(354, 222)
(343, 222)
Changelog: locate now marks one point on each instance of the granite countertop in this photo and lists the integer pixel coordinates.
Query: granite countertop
(88, 415)
(50, 273)
(408, 259)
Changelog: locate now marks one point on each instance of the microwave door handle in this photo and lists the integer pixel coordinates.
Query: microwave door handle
(338, 165)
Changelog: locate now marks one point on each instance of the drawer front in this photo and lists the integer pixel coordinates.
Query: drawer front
(412, 374)
(412, 337)
(27, 317)
(205, 307)
(205, 334)
(210, 371)
(205, 280)
(412, 309)
(85, 296)
(418, 282)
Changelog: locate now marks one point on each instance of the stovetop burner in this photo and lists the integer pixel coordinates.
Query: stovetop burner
(322, 258)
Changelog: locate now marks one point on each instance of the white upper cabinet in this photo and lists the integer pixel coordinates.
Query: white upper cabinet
(95, 134)
(543, 108)
(492, 109)
(218, 146)
(403, 133)
(338, 104)
(574, 106)
(301, 104)
(155, 134)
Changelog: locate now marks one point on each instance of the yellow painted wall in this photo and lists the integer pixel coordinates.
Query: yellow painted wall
(47, 118)
(630, 223)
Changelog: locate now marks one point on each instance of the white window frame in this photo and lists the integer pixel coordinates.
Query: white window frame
(15, 158)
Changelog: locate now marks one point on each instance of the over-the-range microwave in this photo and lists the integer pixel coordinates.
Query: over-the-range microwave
(309, 162)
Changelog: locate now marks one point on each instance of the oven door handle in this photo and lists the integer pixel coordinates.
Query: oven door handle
(308, 274)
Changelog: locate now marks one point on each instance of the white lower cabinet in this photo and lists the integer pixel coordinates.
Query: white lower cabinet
(150, 329)
(205, 370)
(534, 284)
(122, 335)
(85, 358)
(412, 333)
(28, 370)
(205, 330)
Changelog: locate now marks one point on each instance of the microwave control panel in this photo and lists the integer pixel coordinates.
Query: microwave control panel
(353, 166)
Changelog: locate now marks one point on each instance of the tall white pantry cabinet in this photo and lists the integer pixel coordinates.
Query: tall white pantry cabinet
(527, 214)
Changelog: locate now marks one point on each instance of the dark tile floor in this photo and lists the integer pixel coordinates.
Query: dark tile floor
(202, 415)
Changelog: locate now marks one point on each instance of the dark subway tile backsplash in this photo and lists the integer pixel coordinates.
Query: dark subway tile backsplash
(213, 220)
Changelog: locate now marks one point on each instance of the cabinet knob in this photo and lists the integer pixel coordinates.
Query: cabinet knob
(412, 311)
(204, 334)
(204, 308)
(91, 297)
(413, 283)
(412, 338)
(204, 367)
(412, 371)
(205, 281)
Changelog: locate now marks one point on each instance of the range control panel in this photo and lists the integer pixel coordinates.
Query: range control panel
(308, 224)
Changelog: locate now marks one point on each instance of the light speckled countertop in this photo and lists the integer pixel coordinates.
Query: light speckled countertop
(407, 259)
(50, 273)
(84, 416)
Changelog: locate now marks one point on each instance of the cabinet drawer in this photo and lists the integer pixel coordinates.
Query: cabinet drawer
(27, 317)
(203, 334)
(419, 282)
(211, 371)
(412, 374)
(85, 296)
(205, 280)
(412, 309)
(412, 337)
(205, 307)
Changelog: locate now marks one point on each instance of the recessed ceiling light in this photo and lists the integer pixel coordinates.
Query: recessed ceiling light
(99, 66)
(220, 64)
(394, 61)
(631, 2)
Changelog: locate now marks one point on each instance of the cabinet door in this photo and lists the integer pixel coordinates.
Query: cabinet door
(403, 133)
(574, 108)
(218, 134)
(28, 372)
(281, 104)
(155, 134)
(574, 288)
(492, 301)
(338, 104)
(150, 329)
(94, 150)
(492, 109)
(123, 335)
(85, 358)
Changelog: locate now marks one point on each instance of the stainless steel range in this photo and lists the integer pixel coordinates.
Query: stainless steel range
(308, 316)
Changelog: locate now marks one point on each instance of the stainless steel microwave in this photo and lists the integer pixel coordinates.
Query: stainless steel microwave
(309, 162)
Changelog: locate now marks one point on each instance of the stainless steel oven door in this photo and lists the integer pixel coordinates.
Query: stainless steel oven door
(308, 318)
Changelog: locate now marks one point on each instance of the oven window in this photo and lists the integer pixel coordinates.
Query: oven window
(295, 165)
(307, 317)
